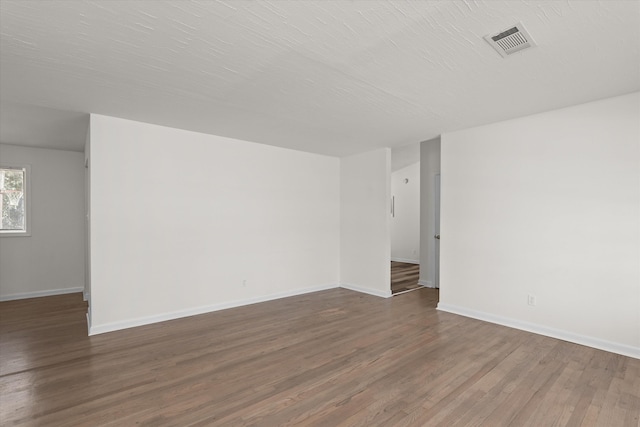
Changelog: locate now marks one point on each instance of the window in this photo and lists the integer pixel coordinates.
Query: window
(15, 202)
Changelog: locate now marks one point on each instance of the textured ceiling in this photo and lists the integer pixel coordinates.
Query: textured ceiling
(332, 77)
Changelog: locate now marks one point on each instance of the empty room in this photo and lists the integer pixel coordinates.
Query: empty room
(320, 213)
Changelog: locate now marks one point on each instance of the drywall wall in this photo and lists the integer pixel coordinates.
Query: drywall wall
(87, 219)
(404, 156)
(405, 220)
(549, 206)
(51, 260)
(365, 237)
(184, 223)
(429, 168)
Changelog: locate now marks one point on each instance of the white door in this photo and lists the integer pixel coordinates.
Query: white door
(436, 204)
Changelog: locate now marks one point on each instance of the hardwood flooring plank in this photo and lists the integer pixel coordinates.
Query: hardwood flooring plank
(404, 277)
(332, 358)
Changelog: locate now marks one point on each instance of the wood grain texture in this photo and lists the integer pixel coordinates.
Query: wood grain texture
(331, 358)
(404, 277)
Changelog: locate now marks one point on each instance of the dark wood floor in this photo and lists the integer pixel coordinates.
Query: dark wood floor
(404, 277)
(332, 358)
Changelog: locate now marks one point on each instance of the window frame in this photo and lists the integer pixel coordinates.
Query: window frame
(27, 200)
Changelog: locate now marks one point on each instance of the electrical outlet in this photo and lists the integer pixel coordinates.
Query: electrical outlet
(531, 300)
(244, 283)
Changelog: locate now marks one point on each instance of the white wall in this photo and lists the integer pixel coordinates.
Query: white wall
(180, 220)
(429, 168)
(405, 223)
(404, 156)
(365, 241)
(51, 260)
(87, 219)
(547, 205)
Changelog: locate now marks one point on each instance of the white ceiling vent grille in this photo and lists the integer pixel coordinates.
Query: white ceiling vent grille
(511, 40)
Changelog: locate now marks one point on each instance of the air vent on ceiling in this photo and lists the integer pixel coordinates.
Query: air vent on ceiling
(511, 40)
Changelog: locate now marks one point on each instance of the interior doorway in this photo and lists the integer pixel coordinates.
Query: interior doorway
(405, 218)
(436, 236)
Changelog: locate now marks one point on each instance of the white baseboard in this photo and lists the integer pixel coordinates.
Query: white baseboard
(426, 283)
(37, 294)
(86, 295)
(374, 292)
(406, 260)
(140, 321)
(625, 350)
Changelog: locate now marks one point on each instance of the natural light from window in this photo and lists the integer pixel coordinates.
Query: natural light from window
(13, 203)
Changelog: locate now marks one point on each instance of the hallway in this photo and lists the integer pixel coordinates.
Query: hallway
(404, 277)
